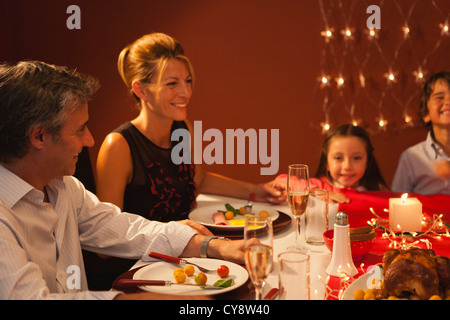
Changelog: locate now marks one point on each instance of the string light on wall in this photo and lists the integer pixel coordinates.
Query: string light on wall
(340, 81)
(355, 122)
(325, 126)
(406, 31)
(372, 34)
(347, 33)
(378, 73)
(382, 123)
(408, 119)
(419, 75)
(391, 76)
(444, 28)
(324, 81)
(327, 34)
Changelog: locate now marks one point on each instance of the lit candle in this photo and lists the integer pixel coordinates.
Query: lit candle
(405, 214)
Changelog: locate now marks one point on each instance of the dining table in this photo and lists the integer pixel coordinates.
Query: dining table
(362, 209)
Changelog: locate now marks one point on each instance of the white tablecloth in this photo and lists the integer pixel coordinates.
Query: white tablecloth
(320, 256)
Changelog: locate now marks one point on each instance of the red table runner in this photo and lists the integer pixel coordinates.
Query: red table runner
(358, 211)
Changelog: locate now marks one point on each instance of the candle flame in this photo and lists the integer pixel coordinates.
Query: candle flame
(403, 197)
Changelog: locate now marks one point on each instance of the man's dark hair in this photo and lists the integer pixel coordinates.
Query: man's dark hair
(34, 93)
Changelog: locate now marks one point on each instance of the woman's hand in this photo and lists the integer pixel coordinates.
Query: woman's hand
(273, 192)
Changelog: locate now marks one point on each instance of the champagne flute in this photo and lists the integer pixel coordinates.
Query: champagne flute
(297, 196)
(258, 245)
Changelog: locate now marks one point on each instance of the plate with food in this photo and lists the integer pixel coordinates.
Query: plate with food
(367, 284)
(190, 280)
(230, 216)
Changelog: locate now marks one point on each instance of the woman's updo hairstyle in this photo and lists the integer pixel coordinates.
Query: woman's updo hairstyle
(149, 56)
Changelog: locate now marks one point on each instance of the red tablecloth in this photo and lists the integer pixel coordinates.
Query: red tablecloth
(359, 207)
(358, 211)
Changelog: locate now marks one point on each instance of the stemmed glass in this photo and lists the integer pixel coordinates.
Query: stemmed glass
(297, 196)
(258, 245)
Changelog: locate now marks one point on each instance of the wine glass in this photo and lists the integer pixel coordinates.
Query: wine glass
(297, 196)
(258, 245)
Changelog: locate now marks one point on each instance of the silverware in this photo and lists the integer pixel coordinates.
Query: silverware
(179, 261)
(161, 283)
(248, 206)
(272, 294)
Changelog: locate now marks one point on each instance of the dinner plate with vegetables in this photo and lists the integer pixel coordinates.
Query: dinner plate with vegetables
(230, 216)
(190, 280)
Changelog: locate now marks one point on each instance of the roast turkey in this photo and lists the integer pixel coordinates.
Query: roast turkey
(415, 273)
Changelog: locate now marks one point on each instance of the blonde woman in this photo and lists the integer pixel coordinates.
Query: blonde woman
(134, 166)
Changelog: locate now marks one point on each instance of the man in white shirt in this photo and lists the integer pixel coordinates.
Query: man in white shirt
(419, 168)
(46, 215)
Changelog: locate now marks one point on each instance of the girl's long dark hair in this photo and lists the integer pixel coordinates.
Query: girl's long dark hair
(372, 179)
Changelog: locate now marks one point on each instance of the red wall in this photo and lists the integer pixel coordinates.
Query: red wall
(256, 63)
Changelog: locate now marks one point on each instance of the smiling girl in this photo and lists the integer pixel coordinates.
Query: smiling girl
(347, 162)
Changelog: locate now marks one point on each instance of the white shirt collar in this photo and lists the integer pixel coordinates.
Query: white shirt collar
(433, 148)
(12, 188)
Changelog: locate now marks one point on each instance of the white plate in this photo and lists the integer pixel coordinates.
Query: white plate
(368, 280)
(164, 271)
(204, 215)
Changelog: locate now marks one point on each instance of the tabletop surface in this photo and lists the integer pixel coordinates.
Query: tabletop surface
(360, 210)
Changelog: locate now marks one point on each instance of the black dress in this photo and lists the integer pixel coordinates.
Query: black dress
(160, 189)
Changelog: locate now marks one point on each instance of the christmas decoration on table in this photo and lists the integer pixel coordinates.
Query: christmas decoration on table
(345, 280)
(432, 227)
